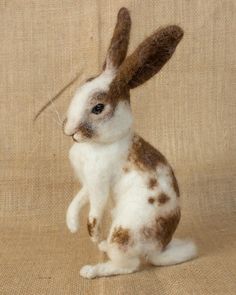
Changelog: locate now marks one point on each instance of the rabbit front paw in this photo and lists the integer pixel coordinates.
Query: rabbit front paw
(72, 220)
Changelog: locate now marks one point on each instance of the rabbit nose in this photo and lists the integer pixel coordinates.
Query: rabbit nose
(67, 131)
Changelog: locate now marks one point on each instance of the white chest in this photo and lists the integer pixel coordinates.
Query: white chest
(101, 160)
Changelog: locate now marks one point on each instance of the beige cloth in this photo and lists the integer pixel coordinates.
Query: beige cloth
(188, 111)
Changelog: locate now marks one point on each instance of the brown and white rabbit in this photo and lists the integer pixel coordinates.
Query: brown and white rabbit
(110, 159)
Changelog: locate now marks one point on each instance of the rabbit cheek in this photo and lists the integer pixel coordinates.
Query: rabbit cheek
(86, 130)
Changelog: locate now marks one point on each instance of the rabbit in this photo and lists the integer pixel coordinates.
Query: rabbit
(110, 159)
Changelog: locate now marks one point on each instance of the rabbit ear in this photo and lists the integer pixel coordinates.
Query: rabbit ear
(120, 40)
(149, 57)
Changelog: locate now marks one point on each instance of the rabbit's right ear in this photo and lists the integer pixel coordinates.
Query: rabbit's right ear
(120, 40)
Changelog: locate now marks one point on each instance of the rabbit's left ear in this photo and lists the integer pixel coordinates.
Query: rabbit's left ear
(149, 57)
(120, 40)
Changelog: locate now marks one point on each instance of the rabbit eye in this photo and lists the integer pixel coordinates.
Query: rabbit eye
(98, 108)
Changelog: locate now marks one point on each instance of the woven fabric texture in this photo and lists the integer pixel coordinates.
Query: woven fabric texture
(187, 111)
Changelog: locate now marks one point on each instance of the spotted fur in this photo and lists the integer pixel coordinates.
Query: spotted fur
(144, 156)
(121, 237)
(91, 226)
(151, 200)
(163, 199)
(162, 228)
(152, 183)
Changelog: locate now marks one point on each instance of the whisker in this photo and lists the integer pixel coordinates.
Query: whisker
(56, 111)
(58, 123)
(50, 102)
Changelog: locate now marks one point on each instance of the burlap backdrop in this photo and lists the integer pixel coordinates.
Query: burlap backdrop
(187, 111)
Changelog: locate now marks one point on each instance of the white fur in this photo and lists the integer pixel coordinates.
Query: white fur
(72, 218)
(177, 251)
(99, 167)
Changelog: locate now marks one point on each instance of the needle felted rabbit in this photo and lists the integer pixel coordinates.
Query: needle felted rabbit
(111, 160)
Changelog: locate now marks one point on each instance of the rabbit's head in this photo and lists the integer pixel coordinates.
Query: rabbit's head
(100, 110)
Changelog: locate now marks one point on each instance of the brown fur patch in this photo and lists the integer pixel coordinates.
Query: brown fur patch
(151, 200)
(91, 225)
(120, 40)
(145, 156)
(120, 236)
(163, 198)
(86, 130)
(152, 183)
(163, 228)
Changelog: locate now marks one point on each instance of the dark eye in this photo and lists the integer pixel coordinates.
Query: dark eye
(98, 108)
